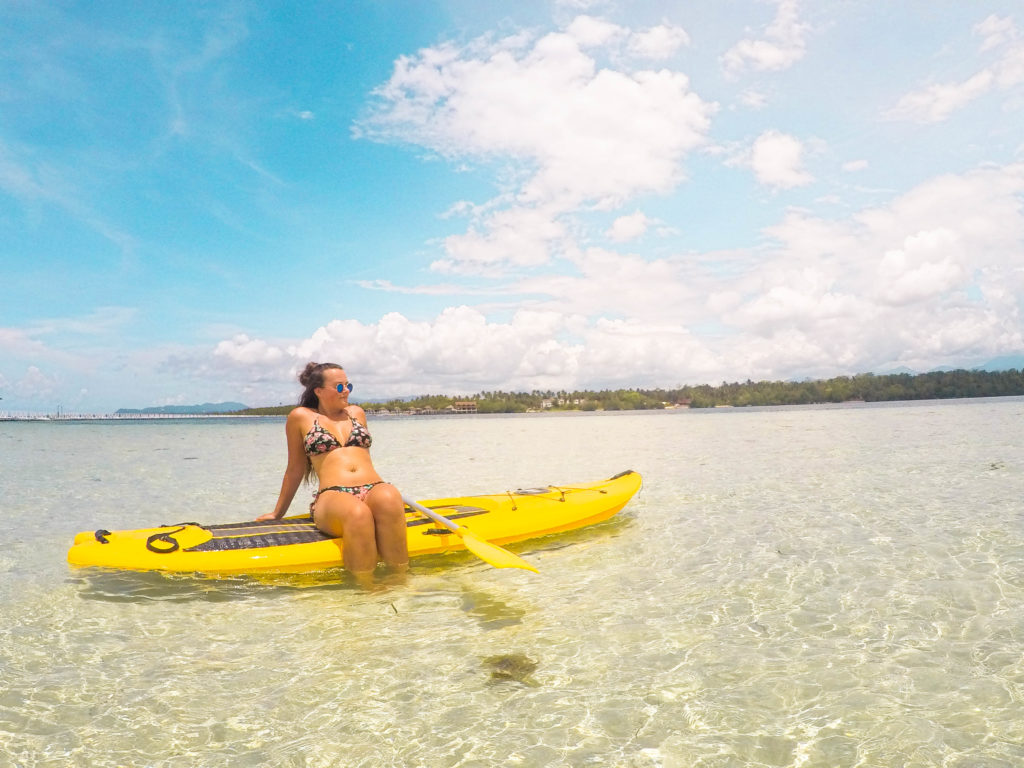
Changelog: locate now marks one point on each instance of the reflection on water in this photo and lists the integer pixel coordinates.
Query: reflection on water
(491, 612)
(127, 586)
(804, 587)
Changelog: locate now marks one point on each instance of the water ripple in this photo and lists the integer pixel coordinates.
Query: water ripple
(802, 588)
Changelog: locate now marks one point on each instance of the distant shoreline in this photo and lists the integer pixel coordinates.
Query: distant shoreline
(131, 417)
(409, 415)
(868, 388)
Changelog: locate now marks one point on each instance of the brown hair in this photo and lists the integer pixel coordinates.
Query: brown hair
(312, 377)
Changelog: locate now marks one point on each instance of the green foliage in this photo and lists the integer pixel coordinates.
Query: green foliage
(276, 410)
(865, 386)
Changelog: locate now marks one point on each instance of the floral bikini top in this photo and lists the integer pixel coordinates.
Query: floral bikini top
(319, 440)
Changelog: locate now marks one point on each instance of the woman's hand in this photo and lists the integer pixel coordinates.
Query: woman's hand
(268, 516)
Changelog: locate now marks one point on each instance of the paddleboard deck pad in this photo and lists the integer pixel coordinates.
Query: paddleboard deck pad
(295, 544)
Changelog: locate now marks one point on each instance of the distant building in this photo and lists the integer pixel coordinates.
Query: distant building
(464, 406)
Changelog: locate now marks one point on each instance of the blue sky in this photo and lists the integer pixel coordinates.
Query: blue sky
(198, 198)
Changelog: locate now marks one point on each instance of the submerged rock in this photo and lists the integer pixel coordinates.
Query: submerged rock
(511, 667)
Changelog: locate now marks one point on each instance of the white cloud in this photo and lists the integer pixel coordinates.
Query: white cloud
(661, 42)
(937, 102)
(20, 343)
(753, 99)
(65, 341)
(896, 282)
(242, 349)
(905, 277)
(460, 345)
(995, 31)
(590, 32)
(513, 237)
(579, 136)
(607, 283)
(436, 289)
(36, 387)
(628, 227)
(621, 135)
(777, 161)
(887, 285)
(855, 165)
(1010, 68)
(100, 321)
(618, 351)
(801, 299)
(934, 103)
(931, 278)
(781, 47)
(460, 350)
(580, 5)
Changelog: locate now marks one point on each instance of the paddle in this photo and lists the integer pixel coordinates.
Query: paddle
(491, 553)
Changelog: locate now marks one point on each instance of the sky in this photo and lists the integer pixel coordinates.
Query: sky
(454, 196)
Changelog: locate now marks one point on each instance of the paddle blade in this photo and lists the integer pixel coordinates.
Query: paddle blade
(493, 554)
(489, 553)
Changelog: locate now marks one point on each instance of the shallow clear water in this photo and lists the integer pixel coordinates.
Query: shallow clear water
(805, 587)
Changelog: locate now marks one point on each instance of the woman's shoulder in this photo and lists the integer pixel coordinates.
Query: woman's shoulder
(301, 415)
(355, 412)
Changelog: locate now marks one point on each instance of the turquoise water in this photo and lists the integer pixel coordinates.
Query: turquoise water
(805, 587)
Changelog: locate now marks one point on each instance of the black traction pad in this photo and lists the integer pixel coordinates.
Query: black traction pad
(284, 532)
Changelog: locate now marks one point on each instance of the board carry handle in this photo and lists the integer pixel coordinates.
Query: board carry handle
(165, 537)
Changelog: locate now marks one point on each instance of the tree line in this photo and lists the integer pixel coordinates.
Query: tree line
(840, 389)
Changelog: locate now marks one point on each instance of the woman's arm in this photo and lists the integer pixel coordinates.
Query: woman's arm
(296, 469)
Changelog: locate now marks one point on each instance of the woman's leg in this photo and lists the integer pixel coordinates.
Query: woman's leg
(389, 524)
(342, 514)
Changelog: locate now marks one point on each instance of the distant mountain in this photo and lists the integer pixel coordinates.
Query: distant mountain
(179, 410)
(1003, 363)
(896, 371)
(996, 364)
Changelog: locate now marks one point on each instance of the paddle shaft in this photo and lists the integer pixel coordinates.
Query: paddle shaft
(455, 527)
(485, 550)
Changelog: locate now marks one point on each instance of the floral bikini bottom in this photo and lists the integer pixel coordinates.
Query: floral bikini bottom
(359, 491)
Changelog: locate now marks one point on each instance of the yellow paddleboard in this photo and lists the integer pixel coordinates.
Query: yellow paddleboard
(293, 544)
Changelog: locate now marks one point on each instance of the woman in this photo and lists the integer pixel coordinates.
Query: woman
(327, 437)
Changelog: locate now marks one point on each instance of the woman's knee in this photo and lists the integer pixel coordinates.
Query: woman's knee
(350, 517)
(357, 517)
(386, 503)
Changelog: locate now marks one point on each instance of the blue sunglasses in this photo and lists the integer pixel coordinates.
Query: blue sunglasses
(347, 385)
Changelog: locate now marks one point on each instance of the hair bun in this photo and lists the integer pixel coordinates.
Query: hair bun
(306, 376)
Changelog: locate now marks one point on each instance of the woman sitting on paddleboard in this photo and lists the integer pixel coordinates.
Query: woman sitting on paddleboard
(328, 438)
